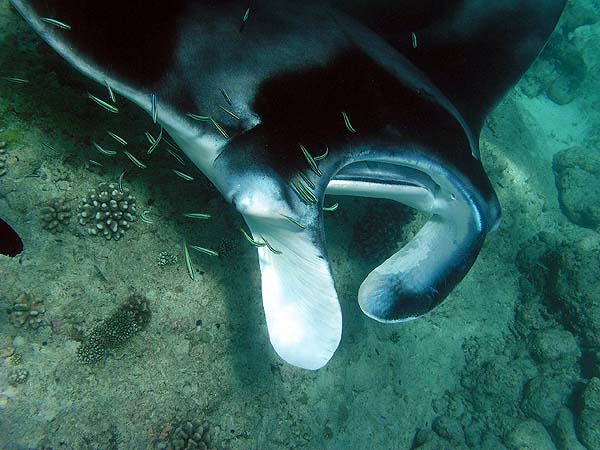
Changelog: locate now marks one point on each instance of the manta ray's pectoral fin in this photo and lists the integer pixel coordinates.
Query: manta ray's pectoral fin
(299, 298)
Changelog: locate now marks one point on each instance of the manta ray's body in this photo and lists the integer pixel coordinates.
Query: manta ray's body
(392, 95)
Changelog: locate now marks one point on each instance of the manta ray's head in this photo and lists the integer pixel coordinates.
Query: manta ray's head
(281, 103)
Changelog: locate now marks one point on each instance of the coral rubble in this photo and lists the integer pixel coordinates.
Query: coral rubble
(27, 312)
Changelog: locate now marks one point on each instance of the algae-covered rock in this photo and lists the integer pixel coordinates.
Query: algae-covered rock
(577, 171)
(426, 439)
(530, 435)
(556, 347)
(588, 423)
(578, 14)
(575, 291)
(564, 432)
(449, 429)
(537, 259)
(544, 396)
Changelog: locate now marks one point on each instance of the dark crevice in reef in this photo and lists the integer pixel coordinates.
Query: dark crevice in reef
(10, 242)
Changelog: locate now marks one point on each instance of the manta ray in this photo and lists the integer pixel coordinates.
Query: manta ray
(281, 102)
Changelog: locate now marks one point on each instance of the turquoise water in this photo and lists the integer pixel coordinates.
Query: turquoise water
(110, 344)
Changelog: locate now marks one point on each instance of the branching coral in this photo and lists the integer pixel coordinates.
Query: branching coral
(107, 211)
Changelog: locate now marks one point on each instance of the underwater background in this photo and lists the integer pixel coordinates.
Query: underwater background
(108, 344)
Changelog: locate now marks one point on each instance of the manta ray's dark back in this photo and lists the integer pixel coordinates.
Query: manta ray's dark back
(457, 43)
(473, 50)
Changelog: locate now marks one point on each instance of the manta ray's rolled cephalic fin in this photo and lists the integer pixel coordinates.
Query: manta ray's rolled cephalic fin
(422, 273)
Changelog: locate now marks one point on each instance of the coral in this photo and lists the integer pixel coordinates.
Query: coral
(15, 359)
(18, 376)
(107, 211)
(56, 215)
(130, 318)
(190, 435)
(27, 312)
(167, 259)
(2, 159)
